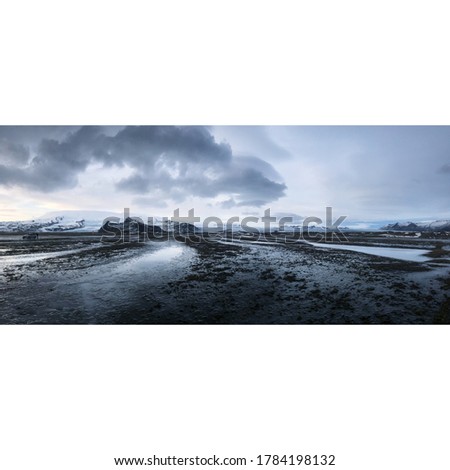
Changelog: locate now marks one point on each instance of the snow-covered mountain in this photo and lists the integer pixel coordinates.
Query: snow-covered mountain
(87, 215)
(60, 221)
(436, 226)
(84, 221)
(93, 220)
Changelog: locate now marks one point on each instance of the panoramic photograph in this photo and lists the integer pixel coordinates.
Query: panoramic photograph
(224, 225)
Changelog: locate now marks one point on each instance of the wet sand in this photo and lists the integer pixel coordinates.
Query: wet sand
(78, 280)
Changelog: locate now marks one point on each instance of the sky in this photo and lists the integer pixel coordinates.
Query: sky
(367, 173)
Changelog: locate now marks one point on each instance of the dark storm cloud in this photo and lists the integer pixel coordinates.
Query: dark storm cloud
(55, 165)
(174, 161)
(13, 153)
(30, 135)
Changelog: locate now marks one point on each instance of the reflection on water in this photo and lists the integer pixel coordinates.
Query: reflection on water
(16, 260)
(162, 255)
(173, 283)
(131, 284)
(128, 285)
(404, 254)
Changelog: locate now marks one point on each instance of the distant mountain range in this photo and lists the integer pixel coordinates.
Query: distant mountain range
(92, 221)
(436, 226)
(78, 215)
(60, 221)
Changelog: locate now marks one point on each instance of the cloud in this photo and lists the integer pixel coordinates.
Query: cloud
(55, 165)
(169, 161)
(295, 218)
(368, 172)
(13, 153)
(259, 140)
(365, 172)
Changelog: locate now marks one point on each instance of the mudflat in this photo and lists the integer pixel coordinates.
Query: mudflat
(77, 279)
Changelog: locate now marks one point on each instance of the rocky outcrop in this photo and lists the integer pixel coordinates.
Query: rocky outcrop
(135, 227)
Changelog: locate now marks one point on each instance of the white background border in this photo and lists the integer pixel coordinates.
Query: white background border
(75, 397)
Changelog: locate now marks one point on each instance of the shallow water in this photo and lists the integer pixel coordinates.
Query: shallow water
(87, 289)
(16, 260)
(404, 254)
(161, 256)
(173, 283)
